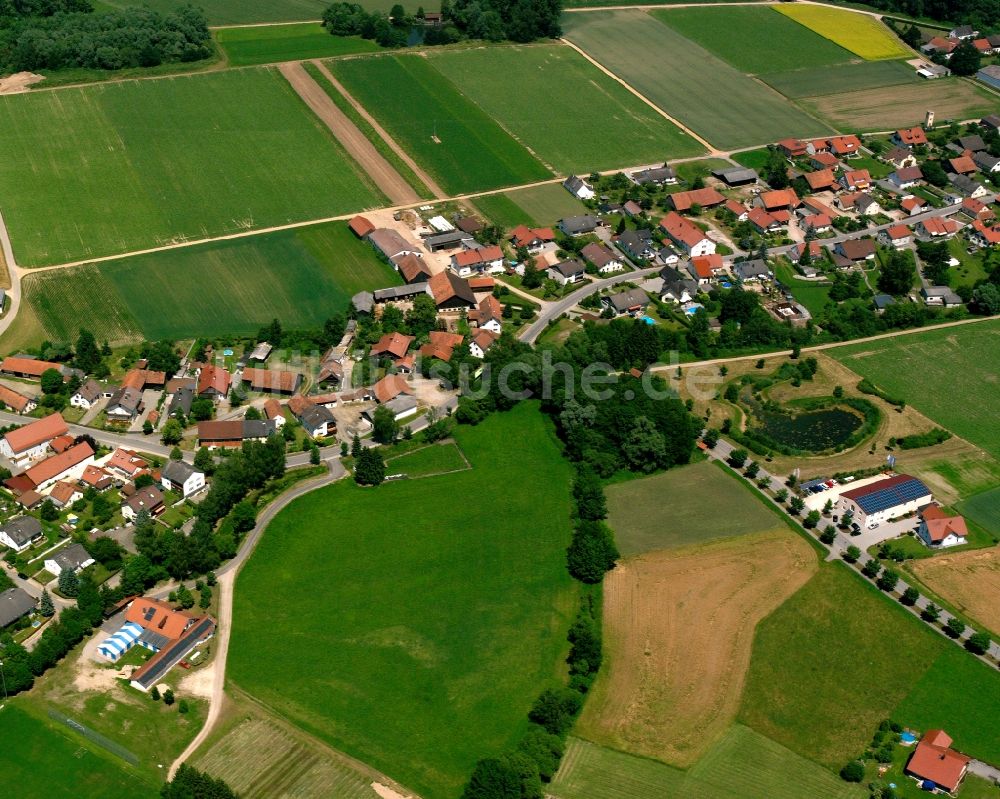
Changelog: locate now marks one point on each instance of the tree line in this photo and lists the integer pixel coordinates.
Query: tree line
(72, 37)
(981, 14)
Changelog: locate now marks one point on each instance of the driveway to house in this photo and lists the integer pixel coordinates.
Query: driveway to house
(226, 576)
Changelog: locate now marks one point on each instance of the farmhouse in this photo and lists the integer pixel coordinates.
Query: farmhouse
(939, 529)
(20, 533)
(687, 235)
(390, 243)
(579, 225)
(74, 557)
(447, 241)
(781, 199)
(884, 499)
(531, 238)
(66, 465)
(706, 198)
(935, 764)
(579, 188)
(737, 209)
(820, 180)
(481, 343)
(182, 477)
(14, 604)
(762, 221)
(566, 272)
(390, 387)
(16, 401)
(272, 380)
(392, 345)
(233, 432)
(394, 294)
(213, 382)
(632, 302)
(488, 315)
(315, 419)
(147, 498)
(86, 396)
(32, 368)
(331, 370)
(29, 443)
(451, 292)
(360, 226)
(143, 378)
(602, 257)
(658, 176)
(411, 268)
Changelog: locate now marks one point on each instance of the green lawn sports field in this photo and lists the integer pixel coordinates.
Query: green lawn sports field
(929, 369)
(736, 33)
(722, 104)
(457, 142)
(683, 506)
(47, 761)
(300, 276)
(111, 168)
(438, 607)
(840, 78)
(587, 120)
(862, 34)
(271, 43)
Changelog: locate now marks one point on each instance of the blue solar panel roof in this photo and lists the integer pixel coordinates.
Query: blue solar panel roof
(885, 498)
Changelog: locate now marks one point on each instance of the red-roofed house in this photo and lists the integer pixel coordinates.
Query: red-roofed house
(780, 198)
(128, 463)
(706, 198)
(279, 381)
(934, 761)
(792, 148)
(394, 345)
(820, 179)
(856, 180)
(29, 367)
(824, 160)
(909, 137)
(963, 165)
(16, 401)
(987, 235)
(977, 209)
(481, 343)
(737, 209)
(441, 345)
(936, 227)
(68, 465)
(897, 236)
(96, 477)
(390, 387)
(845, 146)
(30, 442)
(941, 530)
(762, 220)
(913, 205)
(686, 235)
(705, 268)
(531, 238)
(213, 382)
(475, 262)
(817, 223)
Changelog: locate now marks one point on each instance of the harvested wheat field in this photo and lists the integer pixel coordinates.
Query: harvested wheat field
(968, 580)
(679, 626)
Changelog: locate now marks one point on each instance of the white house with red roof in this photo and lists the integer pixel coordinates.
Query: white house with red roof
(687, 235)
(940, 529)
(935, 764)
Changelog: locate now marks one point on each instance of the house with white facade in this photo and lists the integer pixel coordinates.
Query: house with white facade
(940, 530)
(884, 499)
(182, 477)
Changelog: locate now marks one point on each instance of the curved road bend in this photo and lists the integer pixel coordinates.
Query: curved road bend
(226, 576)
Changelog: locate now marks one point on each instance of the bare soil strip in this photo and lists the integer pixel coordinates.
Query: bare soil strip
(427, 179)
(354, 141)
(679, 626)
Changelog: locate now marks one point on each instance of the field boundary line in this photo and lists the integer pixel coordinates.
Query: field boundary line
(350, 137)
(712, 150)
(439, 193)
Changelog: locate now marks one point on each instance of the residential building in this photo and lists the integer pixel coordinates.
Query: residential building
(856, 180)
(884, 499)
(274, 381)
(632, 302)
(967, 187)
(637, 244)
(687, 235)
(390, 387)
(940, 530)
(96, 477)
(273, 412)
(481, 342)
(477, 261)
(488, 315)
(579, 188)
(938, 227)
(817, 223)
(392, 345)
(315, 419)
(15, 603)
(820, 180)
(737, 209)
(213, 382)
(784, 199)
(906, 177)
(986, 163)
(792, 148)
(566, 272)
(182, 478)
(64, 494)
(910, 137)
(972, 143)
(73, 557)
(900, 157)
(533, 239)
(676, 287)
(147, 498)
(20, 533)
(232, 433)
(913, 205)
(579, 225)
(601, 256)
(127, 464)
(451, 293)
(856, 249)
(124, 404)
(30, 442)
(86, 396)
(752, 271)
(940, 296)
(658, 176)
(762, 221)
(986, 235)
(896, 236)
(935, 764)
(706, 268)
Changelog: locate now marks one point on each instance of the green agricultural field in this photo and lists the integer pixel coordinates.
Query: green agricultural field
(984, 510)
(439, 606)
(837, 658)
(456, 141)
(683, 506)
(929, 369)
(755, 159)
(435, 459)
(236, 12)
(736, 34)
(271, 43)
(48, 761)
(110, 168)
(740, 759)
(959, 694)
(588, 120)
(538, 206)
(722, 104)
(299, 276)
(837, 78)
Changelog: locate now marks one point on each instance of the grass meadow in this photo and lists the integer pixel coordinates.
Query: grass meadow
(840, 78)
(930, 369)
(587, 122)
(750, 113)
(462, 147)
(538, 206)
(812, 294)
(741, 758)
(837, 658)
(272, 43)
(111, 168)
(862, 34)
(427, 461)
(688, 505)
(432, 623)
(300, 276)
(237, 12)
(735, 34)
(45, 760)
(984, 509)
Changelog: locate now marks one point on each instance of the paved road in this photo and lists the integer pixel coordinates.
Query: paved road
(226, 581)
(723, 450)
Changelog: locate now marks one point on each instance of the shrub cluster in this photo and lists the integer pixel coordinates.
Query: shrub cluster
(928, 439)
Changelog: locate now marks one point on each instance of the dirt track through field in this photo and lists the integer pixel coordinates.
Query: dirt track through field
(968, 580)
(354, 141)
(679, 627)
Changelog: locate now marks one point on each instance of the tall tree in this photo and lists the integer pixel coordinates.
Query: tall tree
(88, 356)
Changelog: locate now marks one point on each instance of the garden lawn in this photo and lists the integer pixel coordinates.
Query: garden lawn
(687, 505)
(234, 12)
(271, 43)
(930, 369)
(736, 35)
(862, 34)
(725, 106)
(45, 760)
(587, 122)
(301, 276)
(839, 78)
(811, 294)
(437, 608)
(457, 142)
(116, 167)
(434, 459)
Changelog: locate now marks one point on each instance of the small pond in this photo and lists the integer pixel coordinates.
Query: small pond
(814, 431)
